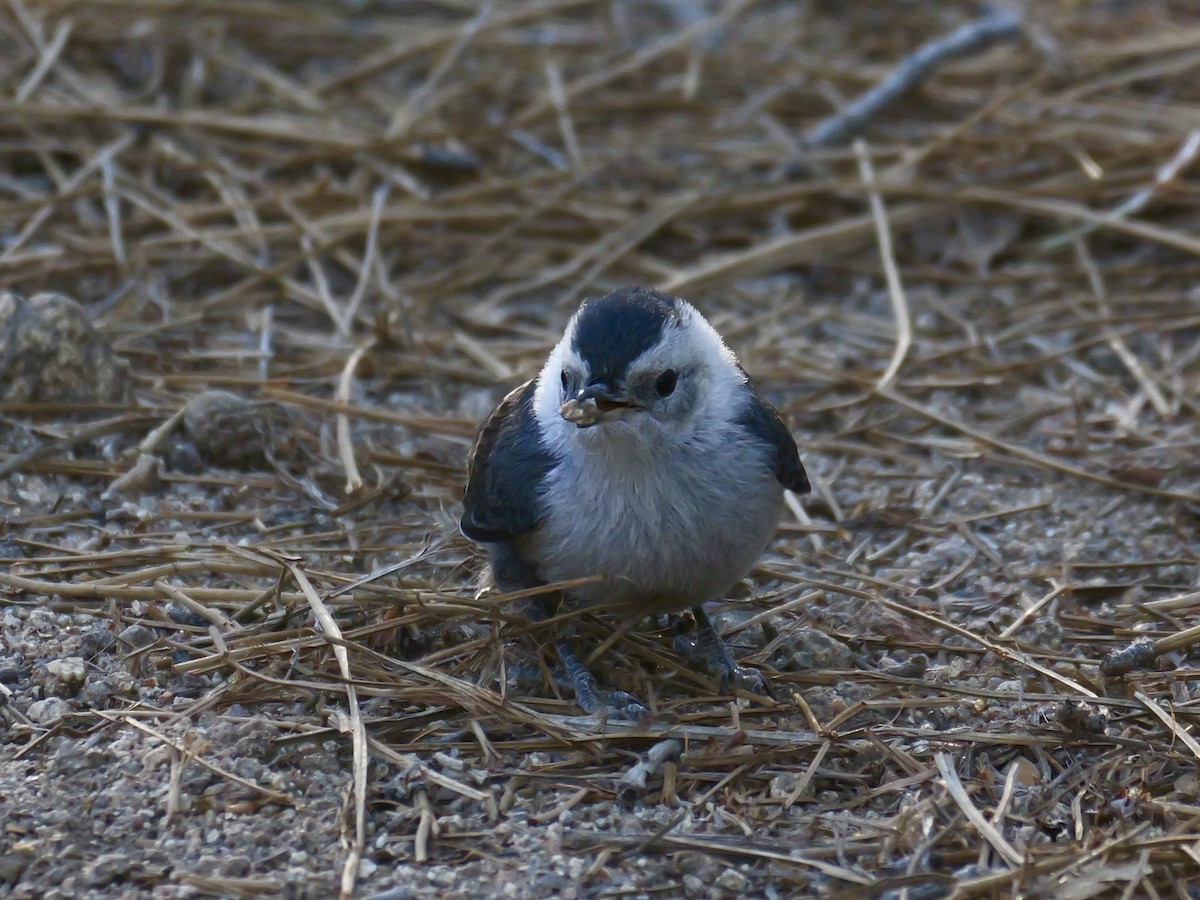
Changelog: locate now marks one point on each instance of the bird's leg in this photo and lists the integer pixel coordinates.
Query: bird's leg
(618, 704)
(711, 653)
(594, 701)
(527, 676)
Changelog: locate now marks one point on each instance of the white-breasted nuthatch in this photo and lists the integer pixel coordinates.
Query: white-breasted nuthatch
(641, 453)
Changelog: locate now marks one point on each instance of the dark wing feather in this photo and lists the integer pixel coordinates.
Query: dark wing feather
(763, 421)
(505, 471)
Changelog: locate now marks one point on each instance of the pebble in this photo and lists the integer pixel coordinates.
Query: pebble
(48, 711)
(66, 675)
(137, 637)
(814, 649)
(106, 869)
(51, 353)
(226, 428)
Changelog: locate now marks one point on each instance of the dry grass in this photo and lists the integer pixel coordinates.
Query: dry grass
(376, 216)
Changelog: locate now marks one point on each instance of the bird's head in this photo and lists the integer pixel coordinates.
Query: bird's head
(636, 363)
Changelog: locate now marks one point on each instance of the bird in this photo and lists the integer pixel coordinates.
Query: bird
(641, 457)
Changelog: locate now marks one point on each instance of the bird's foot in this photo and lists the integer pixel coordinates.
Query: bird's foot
(711, 654)
(523, 678)
(595, 702)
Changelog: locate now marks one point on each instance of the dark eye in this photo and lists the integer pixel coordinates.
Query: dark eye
(566, 382)
(664, 386)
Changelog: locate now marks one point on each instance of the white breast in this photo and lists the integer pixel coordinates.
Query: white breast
(667, 526)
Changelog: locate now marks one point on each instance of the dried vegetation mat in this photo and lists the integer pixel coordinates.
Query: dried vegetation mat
(268, 262)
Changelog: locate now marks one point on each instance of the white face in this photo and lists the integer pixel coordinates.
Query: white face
(688, 376)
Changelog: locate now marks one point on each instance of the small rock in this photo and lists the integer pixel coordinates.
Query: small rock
(912, 667)
(13, 866)
(95, 641)
(248, 768)
(235, 867)
(396, 893)
(185, 616)
(10, 549)
(106, 869)
(732, 880)
(48, 711)
(180, 455)
(227, 429)
(1077, 717)
(784, 785)
(96, 694)
(51, 353)
(66, 675)
(813, 649)
(137, 637)
(366, 868)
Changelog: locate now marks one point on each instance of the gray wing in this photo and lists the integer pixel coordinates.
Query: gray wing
(763, 421)
(504, 472)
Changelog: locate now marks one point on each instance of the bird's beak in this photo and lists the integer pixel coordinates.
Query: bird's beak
(595, 404)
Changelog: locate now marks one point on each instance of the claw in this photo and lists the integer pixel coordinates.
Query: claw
(744, 678)
(620, 705)
(606, 704)
(713, 656)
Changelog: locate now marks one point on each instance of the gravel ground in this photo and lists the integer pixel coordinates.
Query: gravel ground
(126, 777)
(224, 673)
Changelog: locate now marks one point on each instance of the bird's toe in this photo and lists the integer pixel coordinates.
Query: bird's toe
(626, 707)
(743, 678)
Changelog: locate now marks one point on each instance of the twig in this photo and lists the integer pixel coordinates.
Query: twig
(1167, 172)
(555, 813)
(152, 441)
(1145, 231)
(887, 256)
(1172, 724)
(1032, 456)
(345, 443)
(960, 796)
(46, 61)
(419, 103)
(426, 828)
(1011, 655)
(637, 61)
(142, 476)
(358, 733)
(1032, 611)
(776, 253)
(633, 783)
(590, 725)
(806, 779)
(717, 845)
(270, 794)
(264, 342)
(81, 436)
(797, 509)
(321, 284)
(97, 162)
(912, 70)
(216, 617)
(112, 210)
(565, 126)
(378, 202)
(1115, 341)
